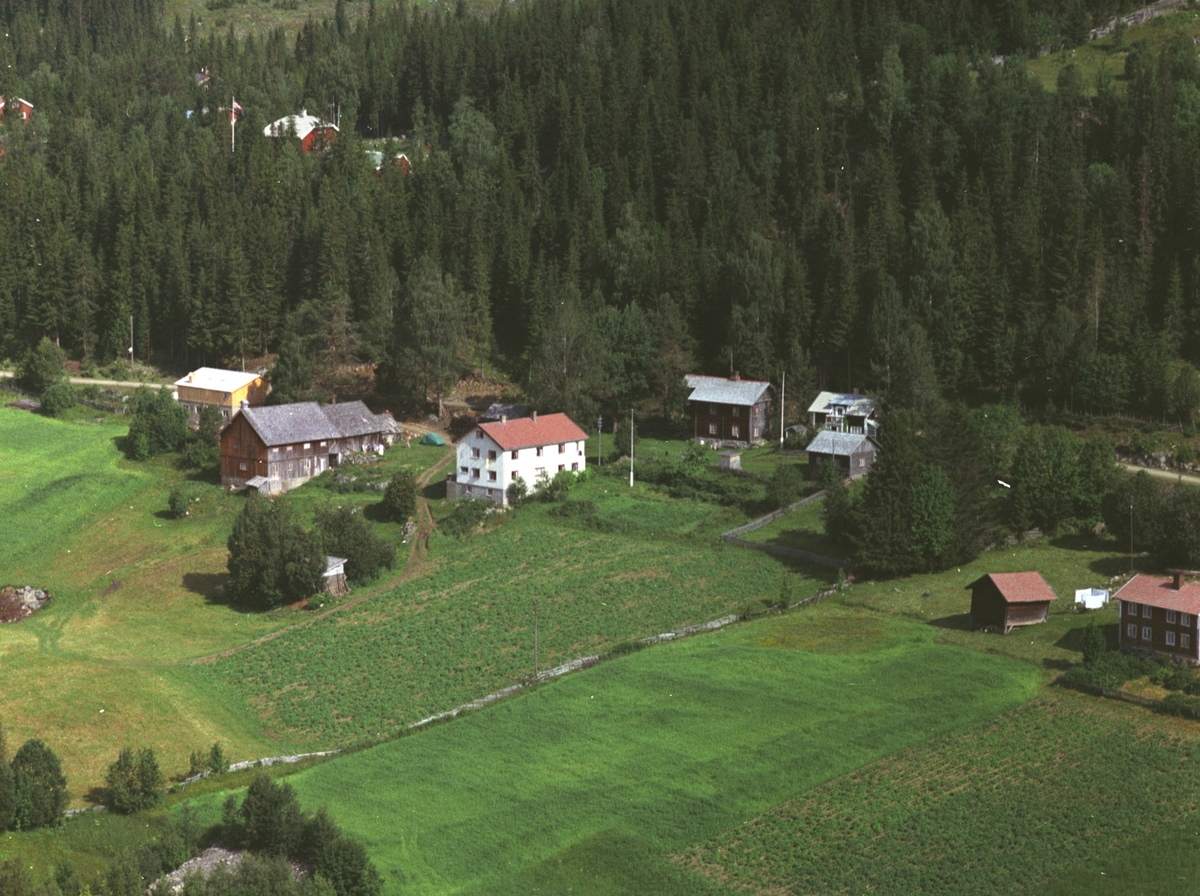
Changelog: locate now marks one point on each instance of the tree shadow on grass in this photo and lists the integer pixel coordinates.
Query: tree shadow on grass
(435, 491)
(1073, 638)
(96, 795)
(1085, 541)
(374, 512)
(1110, 566)
(959, 622)
(210, 586)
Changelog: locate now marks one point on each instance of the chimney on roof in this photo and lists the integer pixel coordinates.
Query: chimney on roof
(192, 377)
(533, 416)
(1178, 579)
(504, 418)
(737, 377)
(245, 404)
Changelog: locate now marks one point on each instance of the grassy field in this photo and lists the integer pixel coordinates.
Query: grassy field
(134, 592)
(466, 627)
(1000, 808)
(590, 783)
(1107, 56)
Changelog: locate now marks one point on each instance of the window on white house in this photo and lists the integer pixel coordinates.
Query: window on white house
(574, 467)
(561, 467)
(462, 469)
(514, 474)
(562, 449)
(1147, 632)
(475, 473)
(479, 433)
(491, 492)
(1170, 639)
(1171, 616)
(492, 475)
(491, 455)
(712, 429)
(514, 455)
(539, 451)
(1131, 630)
(1147, 611)
(475, 453)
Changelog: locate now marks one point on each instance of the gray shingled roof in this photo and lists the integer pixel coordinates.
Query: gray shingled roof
(286, 424)
(855, 405)
(718, 390)
(839, 444)
(499, 409)
(353, 418)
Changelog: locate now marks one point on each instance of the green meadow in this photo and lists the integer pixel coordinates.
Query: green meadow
(592, 782)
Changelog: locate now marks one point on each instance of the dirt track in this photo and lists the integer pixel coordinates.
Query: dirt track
(417, 555)
(1162, 474)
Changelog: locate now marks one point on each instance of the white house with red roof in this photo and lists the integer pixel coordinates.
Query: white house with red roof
(1158, 615)
(493, 456)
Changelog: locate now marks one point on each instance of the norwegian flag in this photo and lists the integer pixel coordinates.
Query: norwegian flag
(236, 112)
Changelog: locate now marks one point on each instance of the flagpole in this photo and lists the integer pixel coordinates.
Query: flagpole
(233, 124)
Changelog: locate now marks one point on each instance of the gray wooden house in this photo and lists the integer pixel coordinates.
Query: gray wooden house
(852, 453)
(730, 412)
(278, 447)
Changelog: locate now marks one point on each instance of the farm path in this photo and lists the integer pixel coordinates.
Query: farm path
(1163, 474)
(416, 559)
(87, 381)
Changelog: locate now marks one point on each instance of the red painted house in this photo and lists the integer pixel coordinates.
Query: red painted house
(24, 109)
(314, 135)
(1158, 616)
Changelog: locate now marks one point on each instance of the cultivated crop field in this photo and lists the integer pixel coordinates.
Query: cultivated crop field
(998, 809)
(466, 627)
(591, 782)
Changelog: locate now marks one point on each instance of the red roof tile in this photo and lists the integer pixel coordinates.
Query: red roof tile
(1021, 587)
(1160, 592)
(526, 432)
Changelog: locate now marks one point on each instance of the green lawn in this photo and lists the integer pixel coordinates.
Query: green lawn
(997, 809)
(465, 627)
(590, 783)
(131, 594)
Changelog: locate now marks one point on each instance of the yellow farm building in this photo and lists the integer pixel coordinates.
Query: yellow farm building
(227, 389)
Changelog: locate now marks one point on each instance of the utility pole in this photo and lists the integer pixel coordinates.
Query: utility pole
(535, 639)
(1131, 539)
(631, 447)
(599, 437)
(131, 345)
(782, 399)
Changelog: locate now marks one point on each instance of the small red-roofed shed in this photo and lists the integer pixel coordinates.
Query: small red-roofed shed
(1002, 601)
(1159, 615)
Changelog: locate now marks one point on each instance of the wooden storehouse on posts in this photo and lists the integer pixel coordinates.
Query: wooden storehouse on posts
(1003, 601)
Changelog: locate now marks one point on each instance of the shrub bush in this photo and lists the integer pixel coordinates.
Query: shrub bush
(347, 534)
(58, 399)
(40, 789)
(467, 516)
(399, 502)
(159, 424)
(180, 500)
(134, 782)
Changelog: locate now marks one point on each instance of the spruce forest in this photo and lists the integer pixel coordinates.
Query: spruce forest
(605, 195)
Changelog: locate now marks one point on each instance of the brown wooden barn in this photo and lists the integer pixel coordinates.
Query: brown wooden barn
(733, 412)
(1002, 601)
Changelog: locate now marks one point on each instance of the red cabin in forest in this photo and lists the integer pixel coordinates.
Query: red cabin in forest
(314, 135)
